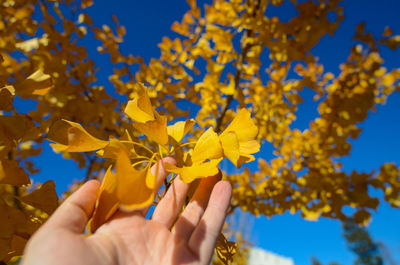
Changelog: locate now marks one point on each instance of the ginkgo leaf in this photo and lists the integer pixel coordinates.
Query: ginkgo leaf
(179, 129)
(11, 173)
(44, 198)
(204, 161)
(156, 130)
(28, 45)
(225, 249)
(199, 170)
(6, 98)
(244, 158)
(86, 3)
(37, 83)
(207, 147)
(230, 88)
(243, 126)
(72, 137)
(309, 214)
(249, 147)
(230, 145)
(15, 127)
(114, 146)
(135, 188)
(107, 202)
(140, 109)
(240, 136)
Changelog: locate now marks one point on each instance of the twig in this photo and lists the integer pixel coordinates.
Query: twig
(90, 168)
(238, 73)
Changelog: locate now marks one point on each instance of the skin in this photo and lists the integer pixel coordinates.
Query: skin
(129, 238)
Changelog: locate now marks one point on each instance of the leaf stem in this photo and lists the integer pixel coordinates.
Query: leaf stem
(138, 144)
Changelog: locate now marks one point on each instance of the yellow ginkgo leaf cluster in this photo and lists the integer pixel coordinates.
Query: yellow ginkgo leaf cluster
(132, 184)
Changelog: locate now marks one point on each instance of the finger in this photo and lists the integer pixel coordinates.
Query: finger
(195, 209)
(204, 237)
(74, 213)
(171, 204)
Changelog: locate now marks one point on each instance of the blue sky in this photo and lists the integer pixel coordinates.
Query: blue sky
(288, 235)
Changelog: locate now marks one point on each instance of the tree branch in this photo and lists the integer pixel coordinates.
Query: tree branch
(242, 57)
(90, 168)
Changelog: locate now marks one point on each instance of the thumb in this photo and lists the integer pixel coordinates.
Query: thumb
(74, 213)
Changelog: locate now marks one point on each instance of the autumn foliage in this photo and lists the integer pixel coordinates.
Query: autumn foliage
(244, 71)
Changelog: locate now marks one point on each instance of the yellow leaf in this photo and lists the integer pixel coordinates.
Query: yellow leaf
(140, 109)
(37, 83)
(45, 198)
(198, 170)
(107, 201)
(205, 158)
(156, 130)
(86, 3)
(11, 173)
(180, 129)
(113, 148)
(311, 215)
(242, 130)
(85, 18)
(135, 189)
(72, 137)
(28, 45)
(225, 249)
(243, 126)
(230, 145)
(230, 88)
(192, 3)
(208, 146)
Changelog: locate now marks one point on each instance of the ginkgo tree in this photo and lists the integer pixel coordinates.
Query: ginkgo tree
(242, 66)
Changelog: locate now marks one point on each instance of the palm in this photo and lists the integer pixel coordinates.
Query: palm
(155, 243)
(129, 238)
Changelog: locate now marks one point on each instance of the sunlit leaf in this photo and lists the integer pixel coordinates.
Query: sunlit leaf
(207, 147)
(37, 83)
(225, 249)
(240, 136)
(114, 146)
(156, 129)
(198, 170)
(72, 137)
(140, 109)
(179, 129)
(135, 188)
(107, 201)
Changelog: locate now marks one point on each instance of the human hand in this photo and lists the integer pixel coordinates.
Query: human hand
(129, 238)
